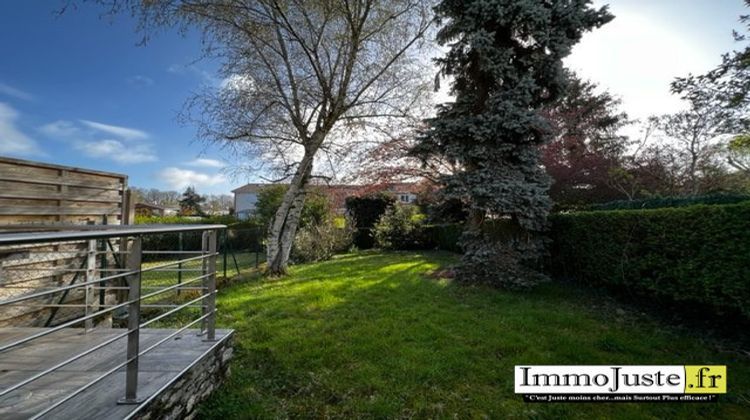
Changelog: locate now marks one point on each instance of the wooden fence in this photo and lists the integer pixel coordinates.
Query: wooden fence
(33, 192)
(36, 195)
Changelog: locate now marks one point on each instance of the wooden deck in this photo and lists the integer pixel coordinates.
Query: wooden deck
(159, 367)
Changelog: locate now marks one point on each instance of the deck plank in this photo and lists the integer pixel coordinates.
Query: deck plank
(157, 368)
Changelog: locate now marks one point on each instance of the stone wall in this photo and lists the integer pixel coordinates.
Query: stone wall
(180, 400)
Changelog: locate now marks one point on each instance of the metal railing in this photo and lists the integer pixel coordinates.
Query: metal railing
(107, 262)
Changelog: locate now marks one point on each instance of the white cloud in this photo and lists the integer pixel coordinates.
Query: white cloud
(124, 133)
(141, 80)
(206, 163)
(15, 92)
(12, 140)
(86, 136)
(60, 129)
(117, 151)
(237, 82)
(196, 71)
(177, 178)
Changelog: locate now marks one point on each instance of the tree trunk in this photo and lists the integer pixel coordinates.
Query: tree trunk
(285, 222)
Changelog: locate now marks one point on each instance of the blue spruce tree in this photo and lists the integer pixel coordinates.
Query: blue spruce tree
(505, 58)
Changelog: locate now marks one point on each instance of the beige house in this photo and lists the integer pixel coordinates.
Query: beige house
(246, 196)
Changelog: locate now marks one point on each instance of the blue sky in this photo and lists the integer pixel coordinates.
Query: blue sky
(77, 90)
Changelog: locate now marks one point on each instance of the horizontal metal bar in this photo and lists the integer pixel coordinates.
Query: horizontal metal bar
(163, 289)
(50, 305)
(83, 305)
(172, 252)
(96, 281)
(176, 309)
(63, 363)
(200, 257)
(62, 270)
(62, 326)
(146, 288)
(116, 368)
(176, 286)
(29, 251)
(113, 231)
(62, 289)
(97, 347)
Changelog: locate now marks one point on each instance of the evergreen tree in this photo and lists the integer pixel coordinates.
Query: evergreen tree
(190, 203)
(505, 58)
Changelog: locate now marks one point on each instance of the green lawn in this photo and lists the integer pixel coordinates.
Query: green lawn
(373, 335)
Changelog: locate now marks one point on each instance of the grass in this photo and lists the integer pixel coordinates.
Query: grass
(373, 335)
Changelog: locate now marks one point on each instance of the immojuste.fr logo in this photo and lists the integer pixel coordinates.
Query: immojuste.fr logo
(625, 383)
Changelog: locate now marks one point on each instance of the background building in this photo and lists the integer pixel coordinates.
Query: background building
(246, 196)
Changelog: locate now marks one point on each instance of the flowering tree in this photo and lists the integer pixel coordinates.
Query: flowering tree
(586, 146)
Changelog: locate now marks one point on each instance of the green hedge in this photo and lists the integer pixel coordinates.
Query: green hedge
(698, 255)
(444, 236)
(662, 202)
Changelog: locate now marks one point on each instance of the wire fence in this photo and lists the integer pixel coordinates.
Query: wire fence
(30, 268)
(240, 250)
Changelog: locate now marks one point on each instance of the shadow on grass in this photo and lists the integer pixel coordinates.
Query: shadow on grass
(371, 335)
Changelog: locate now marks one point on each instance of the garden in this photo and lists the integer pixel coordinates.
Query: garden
(378, 334)
(550, 228)
(373, 320)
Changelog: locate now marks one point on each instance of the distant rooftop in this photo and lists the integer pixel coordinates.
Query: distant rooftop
(395, 187)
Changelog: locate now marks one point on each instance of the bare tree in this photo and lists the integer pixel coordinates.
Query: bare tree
(391, 162)
(301, 78)
(218, 203)
(157, 197)
(697, 144)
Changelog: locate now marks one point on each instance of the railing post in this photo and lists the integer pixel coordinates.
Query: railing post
(225, 241)
(134, 321)
(90, 277)
(179, 266)
(209, 284)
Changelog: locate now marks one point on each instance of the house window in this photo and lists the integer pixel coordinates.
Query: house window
(404, 198)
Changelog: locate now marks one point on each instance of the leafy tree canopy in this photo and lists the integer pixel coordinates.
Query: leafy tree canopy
(316, 210)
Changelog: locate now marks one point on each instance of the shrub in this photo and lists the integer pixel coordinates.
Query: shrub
(694, 255)
(401, 227)
(321, 241)
(445, 236)
(662, 202)
(316, 210)
(366, 211)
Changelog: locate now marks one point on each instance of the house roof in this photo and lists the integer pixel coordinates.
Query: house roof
(343, 190)
(250, 188)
